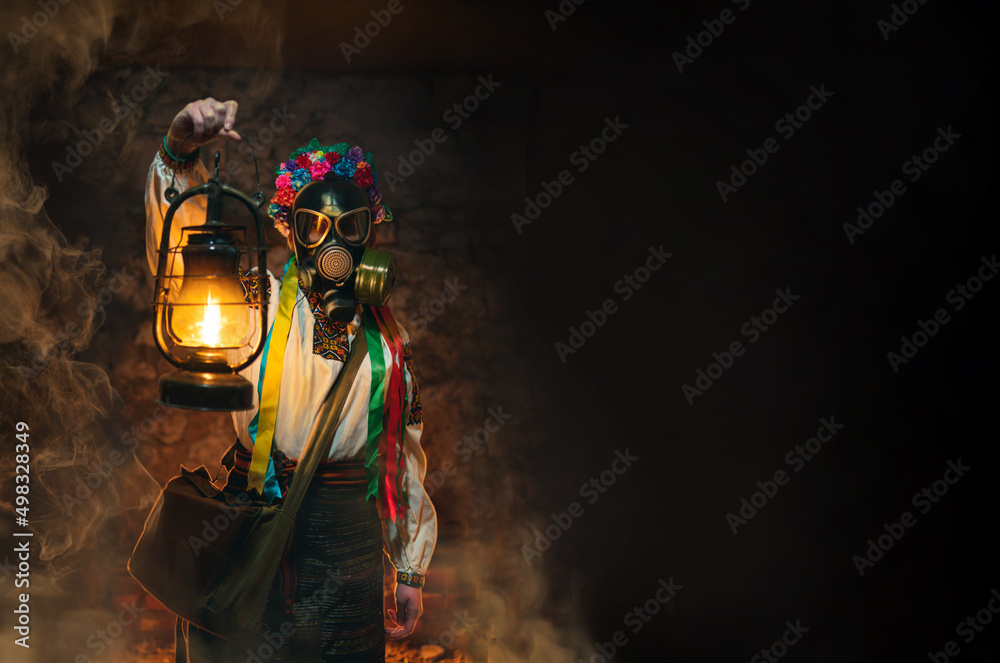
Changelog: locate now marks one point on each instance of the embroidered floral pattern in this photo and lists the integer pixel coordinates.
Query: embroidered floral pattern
(416, 407)
(329, 337)
(178, 165)
(411, 579)
(251, 287)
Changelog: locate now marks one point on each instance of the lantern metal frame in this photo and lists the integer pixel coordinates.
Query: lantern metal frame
(206, 380)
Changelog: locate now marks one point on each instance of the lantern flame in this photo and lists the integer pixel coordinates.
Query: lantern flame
(211, 325)
(213, 315)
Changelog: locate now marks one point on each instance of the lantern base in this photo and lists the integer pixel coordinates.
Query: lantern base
(206, 391)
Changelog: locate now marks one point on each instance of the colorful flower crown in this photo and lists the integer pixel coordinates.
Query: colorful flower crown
(312, 163)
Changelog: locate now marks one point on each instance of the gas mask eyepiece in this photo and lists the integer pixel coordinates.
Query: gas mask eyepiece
(312, 226)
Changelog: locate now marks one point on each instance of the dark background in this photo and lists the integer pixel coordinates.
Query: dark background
(655, 185)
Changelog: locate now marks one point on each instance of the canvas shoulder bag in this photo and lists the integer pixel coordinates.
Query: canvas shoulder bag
(211, 556)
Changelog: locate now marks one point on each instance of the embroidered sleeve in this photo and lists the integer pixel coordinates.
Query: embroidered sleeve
(180, 165)
(192, 212)
(416, 408)
(251, 287)
(410, 543)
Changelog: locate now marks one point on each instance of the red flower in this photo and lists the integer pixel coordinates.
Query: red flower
(284, 196)
(332, 158)
(363, 175)
(302, 161)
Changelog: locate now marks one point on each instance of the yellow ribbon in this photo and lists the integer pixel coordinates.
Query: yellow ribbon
(272, 380)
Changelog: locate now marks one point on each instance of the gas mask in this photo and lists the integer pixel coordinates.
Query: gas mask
(331, 223)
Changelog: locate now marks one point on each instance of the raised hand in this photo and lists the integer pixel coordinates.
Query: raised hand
(208, 119)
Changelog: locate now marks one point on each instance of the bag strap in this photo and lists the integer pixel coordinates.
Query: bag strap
(323, 429)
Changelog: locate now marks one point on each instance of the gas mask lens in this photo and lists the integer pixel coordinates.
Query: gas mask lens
(311, 227)
(354, 226)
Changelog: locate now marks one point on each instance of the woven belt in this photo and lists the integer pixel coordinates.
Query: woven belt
(330, 472)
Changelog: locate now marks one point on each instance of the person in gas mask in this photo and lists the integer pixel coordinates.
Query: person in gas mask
(327, 206)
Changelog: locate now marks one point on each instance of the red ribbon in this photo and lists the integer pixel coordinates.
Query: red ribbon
(392, 462)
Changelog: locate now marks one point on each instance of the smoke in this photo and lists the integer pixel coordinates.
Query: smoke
(76, 81)
(65, 404)
(71, 74)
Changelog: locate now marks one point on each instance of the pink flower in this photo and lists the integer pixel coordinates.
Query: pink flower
(319, 169)
(283, 180)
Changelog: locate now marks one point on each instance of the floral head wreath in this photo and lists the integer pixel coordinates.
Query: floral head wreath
(313, 163)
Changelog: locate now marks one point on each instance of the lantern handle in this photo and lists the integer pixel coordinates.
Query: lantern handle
(257, 196)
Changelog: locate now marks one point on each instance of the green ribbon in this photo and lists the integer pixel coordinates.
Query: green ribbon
(376, 403)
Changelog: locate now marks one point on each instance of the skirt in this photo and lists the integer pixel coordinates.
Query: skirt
(327, 604)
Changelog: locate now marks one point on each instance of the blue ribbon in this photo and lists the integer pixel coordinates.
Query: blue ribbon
(271, 489)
